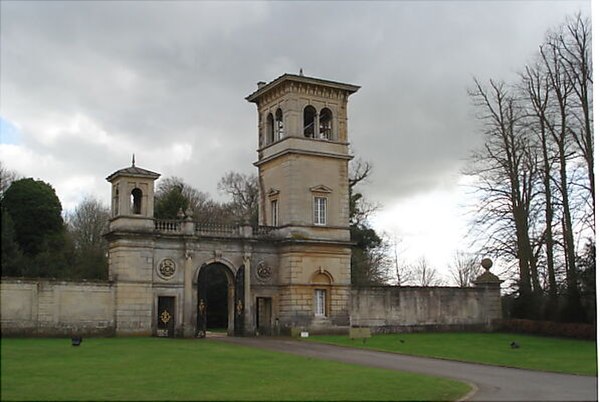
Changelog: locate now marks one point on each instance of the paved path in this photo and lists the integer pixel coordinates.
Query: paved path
(492, 383)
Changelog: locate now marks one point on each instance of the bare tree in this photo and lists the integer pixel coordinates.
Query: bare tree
(359, 171)
(574, 47)
(506, 170)
(464, 269)
(536, 89)
(243, 190)
(561, 90)
(536, 171)
(173, 194)
(360, 208)
(424, 274)
(87, 223)
(7, 176)
(86, 226)
(371, 266)
(402, 271)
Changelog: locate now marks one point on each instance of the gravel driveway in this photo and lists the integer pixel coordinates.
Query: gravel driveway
(490, 383)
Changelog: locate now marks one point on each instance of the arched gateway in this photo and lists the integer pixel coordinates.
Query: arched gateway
(220, 299)
(183, 277)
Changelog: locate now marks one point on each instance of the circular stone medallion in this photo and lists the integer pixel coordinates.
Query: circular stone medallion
(166, 268)
(263, 271)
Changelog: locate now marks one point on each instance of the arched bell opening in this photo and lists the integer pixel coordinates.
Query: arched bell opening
(136, 201)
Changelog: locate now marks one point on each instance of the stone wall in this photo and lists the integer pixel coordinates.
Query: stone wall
(31, 307)
(387, 309)
(42, 307)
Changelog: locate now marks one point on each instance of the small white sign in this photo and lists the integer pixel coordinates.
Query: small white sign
(304, 334)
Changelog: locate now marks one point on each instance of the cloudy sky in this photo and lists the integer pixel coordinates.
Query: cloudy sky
(84, 85)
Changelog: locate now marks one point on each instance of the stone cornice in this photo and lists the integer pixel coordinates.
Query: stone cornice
(301, 152)
(305, 84)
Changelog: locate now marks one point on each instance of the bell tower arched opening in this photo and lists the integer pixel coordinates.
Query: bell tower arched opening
(136, 201)
(270, 129)
(310, 118)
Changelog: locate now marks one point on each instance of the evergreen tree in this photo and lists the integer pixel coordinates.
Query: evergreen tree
(36, 213)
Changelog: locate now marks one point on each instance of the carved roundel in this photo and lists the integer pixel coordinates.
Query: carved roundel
(263, 271)
(166, 268)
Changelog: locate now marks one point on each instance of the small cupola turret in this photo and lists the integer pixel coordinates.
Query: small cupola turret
(132, 195)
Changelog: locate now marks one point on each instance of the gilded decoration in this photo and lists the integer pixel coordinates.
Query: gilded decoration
(165, 317)
(166, 268)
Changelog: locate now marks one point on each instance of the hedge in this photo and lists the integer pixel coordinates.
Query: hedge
(550, 328)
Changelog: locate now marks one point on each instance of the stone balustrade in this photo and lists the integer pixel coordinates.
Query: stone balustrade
(167, 225)
(207, 229)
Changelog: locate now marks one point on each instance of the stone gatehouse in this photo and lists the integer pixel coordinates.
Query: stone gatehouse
(293, 270)
(177, 277)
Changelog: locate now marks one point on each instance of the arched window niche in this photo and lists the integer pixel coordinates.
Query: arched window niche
(136, 201)
(321, 281)
(325, 124)
(270, 129)
(278, 125)
(310, 117)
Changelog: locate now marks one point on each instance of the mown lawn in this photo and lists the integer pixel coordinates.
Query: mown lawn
(185, 369)
(535, 352)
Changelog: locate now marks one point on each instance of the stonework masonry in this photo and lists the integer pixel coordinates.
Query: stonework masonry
(289, 272)
(57, 308)
(45, 307)
(389, 309)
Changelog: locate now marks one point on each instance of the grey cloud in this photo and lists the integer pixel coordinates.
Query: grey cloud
(152, 74)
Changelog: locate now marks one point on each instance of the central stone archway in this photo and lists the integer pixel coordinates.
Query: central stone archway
(220, 300)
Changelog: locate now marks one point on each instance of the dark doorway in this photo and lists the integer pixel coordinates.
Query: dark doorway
(263, 315)
(166, 316)
(213, 308)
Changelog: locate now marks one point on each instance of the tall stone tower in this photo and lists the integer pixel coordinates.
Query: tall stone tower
(303, 179)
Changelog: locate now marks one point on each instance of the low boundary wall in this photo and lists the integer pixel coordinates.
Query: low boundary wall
(43, 307)
(391, 309)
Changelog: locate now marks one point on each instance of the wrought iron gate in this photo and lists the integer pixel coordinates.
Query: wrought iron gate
(201, 313)
(238, 321)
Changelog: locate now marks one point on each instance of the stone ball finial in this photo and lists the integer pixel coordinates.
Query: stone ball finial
(486, 263)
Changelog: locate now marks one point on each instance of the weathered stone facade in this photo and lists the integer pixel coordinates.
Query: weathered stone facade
(56, 308)
(291, 271)
(390, 309)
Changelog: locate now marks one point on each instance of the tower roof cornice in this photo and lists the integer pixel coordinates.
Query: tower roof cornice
(134, 171)
(253, 97)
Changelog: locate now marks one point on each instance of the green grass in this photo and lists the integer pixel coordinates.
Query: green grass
(535, 352)
(186, 369)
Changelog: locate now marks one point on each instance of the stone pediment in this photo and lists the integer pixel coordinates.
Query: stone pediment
(321, 189)
(272, 192)
(134, 171)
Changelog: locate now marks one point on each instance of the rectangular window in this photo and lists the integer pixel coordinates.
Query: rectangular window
(320, 298)
(320, 211)
(274, 213)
